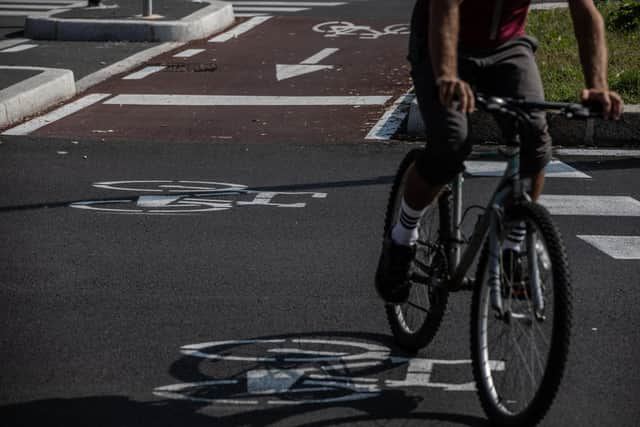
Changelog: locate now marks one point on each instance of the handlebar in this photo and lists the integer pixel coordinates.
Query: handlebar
(521, 107)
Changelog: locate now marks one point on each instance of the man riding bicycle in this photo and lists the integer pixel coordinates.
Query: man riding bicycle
(457, 44)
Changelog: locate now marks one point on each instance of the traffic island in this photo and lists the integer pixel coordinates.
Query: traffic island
(131, 20)
(25, 91)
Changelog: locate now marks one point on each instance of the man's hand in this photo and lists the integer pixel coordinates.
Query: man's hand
(610, 101)
(452, 89)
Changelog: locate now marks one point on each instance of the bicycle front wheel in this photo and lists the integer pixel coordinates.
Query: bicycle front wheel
(519, 357)
(415, 322)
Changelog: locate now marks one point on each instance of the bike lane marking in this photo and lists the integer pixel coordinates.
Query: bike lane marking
(339, 103)
(196, 197)
(309, 376)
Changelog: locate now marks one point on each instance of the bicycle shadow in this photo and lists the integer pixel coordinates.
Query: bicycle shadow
(392, 405)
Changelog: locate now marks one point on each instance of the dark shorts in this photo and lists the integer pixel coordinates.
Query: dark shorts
(509, 70)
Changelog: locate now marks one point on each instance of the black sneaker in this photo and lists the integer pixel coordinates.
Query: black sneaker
(513, 274)
(392, 276)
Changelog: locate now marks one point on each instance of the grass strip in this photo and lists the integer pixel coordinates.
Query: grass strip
(559, 62)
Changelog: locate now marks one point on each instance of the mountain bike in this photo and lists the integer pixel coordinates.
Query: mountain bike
(520, 315)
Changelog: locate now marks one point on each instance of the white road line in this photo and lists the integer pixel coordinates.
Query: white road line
(324, 53)
(55, 115)
(391, 119)
(12, 42)
(591, 205)
(19, 48)
(555, 169)
(27, 7)
(248, 15)
(617, 247)
(146, 71)
(188, 53)
(286, 3)
(596, 152)
(269, 9)
(240, 29)
(125, 65)
(245, 101)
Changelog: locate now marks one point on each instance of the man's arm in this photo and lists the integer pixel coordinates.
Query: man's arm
(590, 33)
(444, 27)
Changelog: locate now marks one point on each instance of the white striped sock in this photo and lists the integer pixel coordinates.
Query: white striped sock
(405, 231)
(515, 237)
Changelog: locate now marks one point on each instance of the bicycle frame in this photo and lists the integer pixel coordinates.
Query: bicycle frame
(489, 224)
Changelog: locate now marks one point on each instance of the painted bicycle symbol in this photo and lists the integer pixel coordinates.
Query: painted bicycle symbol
(344, 28)
(295, 371)
(171, 197)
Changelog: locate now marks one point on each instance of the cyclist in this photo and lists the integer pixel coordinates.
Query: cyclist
(455, 44)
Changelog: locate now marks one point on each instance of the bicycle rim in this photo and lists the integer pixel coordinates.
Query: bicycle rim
(519, 360)
(415, 322)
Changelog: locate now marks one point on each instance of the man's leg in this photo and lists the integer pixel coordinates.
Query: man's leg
(441, 160)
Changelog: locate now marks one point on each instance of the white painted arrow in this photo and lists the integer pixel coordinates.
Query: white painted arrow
(309, 65)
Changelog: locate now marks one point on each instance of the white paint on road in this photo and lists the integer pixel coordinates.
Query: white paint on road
(591, 205)
(244, 100)
(286, 3)
(57, 114)
(146, 71)
(188, 53)
(309, 65)
(12, 42)
(240, 29)
(323, 54)
(595, 152)
(617, 247)
(270, 9)
(19, 48)
(285, 71)
(391, 120)
(555, 169)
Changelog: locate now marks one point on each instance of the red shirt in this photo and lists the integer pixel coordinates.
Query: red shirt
(489, 23)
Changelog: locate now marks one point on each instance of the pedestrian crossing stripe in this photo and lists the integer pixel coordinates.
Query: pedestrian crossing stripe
(555, 169)
(243, 8)
(565, 204)
(617, 247)
(36, 7)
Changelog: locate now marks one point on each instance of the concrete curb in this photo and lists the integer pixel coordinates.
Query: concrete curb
(198, 25)
(571, 133)
(35, 94)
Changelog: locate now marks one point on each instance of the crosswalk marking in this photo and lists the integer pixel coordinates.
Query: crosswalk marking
(188, 53)
(617, 247)
(138, 75)
(270, 9)
(36, 7)
(258, 8)
(623, 206)
(19, 48)
(555, 169)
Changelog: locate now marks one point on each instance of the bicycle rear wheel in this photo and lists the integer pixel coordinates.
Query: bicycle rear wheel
(519, 358)
(415, 322)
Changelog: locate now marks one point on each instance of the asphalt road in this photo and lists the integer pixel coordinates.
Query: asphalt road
(125, 288)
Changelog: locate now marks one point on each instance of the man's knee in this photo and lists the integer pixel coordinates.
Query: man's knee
(443, 158)
(536, 146)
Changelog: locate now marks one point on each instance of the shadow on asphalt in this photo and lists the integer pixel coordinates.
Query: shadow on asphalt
(393, 405)
(382, 180)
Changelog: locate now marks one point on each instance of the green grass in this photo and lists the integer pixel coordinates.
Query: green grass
(559, 62)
